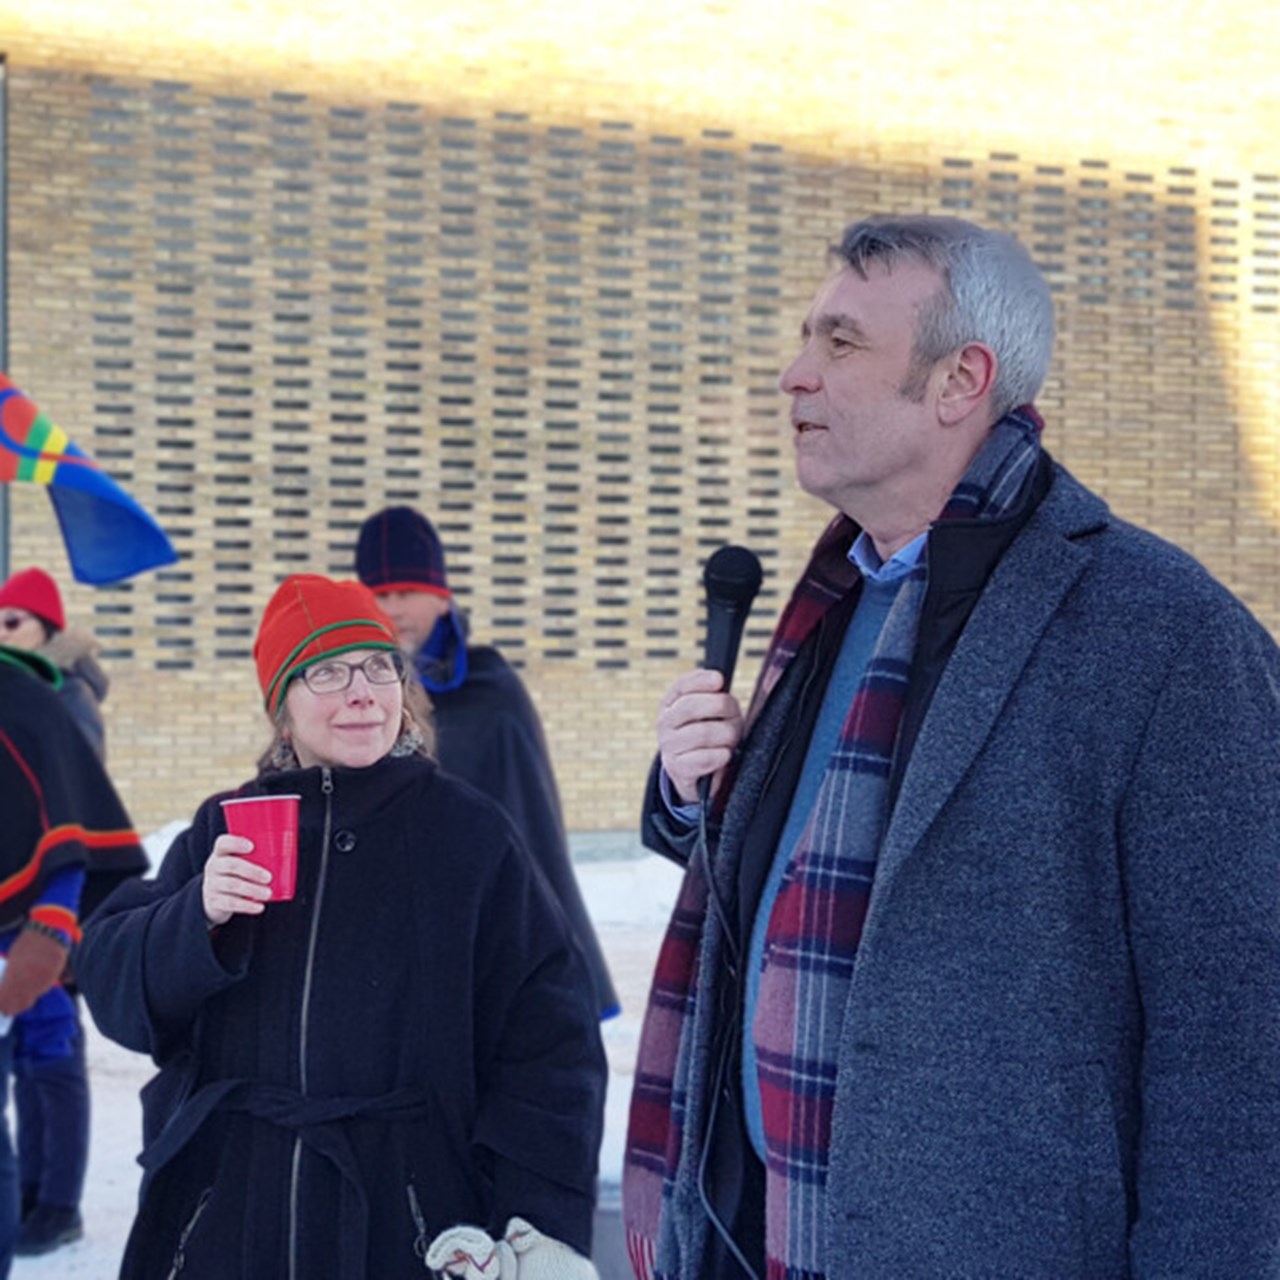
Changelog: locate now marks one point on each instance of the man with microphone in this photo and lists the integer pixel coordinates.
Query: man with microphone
(975, 970)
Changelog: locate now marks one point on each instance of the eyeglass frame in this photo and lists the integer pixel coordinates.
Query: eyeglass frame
(329, 660)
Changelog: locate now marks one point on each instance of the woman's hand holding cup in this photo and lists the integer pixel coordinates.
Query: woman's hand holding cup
(233, 885)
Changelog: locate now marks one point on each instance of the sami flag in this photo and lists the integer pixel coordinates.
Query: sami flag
(108, 535)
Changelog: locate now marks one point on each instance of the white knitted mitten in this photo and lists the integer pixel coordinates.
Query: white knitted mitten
(540, 1257)
(469, 1253)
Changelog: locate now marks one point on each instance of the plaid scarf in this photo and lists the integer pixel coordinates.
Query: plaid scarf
(812, 935)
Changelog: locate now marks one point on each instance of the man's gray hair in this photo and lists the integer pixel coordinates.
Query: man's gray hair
(992, 293)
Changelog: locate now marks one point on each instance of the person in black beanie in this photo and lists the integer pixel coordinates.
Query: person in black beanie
(487, 729)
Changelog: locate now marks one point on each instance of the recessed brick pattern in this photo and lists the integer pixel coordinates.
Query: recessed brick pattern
(270, 312)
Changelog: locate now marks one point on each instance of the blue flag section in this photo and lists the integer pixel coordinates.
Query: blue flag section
(108, 536)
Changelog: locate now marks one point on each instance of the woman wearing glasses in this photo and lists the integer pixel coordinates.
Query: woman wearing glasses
(398, 1068)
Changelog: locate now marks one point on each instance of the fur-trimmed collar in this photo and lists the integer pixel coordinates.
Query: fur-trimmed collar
(74, 651)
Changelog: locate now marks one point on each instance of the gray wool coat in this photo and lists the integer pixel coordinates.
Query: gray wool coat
(1060, 1058)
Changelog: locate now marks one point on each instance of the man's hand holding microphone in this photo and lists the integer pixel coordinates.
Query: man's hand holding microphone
(699, 721)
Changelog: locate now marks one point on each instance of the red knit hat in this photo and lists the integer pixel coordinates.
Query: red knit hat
(36, 592)
(310, 618)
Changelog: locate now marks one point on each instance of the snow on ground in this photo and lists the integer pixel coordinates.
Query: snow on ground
(630, 903)
(629, 895)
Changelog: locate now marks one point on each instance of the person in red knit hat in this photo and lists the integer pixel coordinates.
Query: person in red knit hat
(401, 1063)
(64, 841)
(32, 617)
(51, 1083)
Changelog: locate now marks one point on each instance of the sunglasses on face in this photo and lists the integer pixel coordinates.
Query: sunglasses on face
(12, 621)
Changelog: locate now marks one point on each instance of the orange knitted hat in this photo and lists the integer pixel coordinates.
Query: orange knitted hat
(310, 618)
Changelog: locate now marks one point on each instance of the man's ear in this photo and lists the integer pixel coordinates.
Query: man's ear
(970, 374)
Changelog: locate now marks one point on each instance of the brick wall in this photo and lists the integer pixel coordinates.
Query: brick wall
(273, 295)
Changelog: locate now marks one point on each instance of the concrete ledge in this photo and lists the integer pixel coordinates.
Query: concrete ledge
(605, 846)
(609, 1251)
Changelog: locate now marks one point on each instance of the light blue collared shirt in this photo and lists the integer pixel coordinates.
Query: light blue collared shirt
(866, 559)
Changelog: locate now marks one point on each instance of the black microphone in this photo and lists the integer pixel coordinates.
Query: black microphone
(732, 578)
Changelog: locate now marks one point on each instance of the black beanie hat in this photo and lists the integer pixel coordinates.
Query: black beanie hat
(398, 550)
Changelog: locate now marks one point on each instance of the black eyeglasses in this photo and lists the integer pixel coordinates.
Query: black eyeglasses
(333, 675)
(12, 621)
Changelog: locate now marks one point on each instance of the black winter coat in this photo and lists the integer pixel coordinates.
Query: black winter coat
(408, 1044)
(488, 733)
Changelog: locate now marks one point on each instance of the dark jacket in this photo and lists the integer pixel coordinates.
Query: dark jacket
(488, 733)
(1060, 1055)
(405, 1046)
(59, 808)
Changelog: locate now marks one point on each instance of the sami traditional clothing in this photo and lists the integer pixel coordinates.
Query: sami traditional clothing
(65, 841)
(50, 1086)
(60, 809)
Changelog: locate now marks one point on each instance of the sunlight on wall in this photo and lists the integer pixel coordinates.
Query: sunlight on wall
(1129, 80)
(1253, 340)
(1147, 82)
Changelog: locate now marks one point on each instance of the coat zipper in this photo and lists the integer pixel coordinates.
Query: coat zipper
(326, 787)
(420, 1242)
(180, 1253)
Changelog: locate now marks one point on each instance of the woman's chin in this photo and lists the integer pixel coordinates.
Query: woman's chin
(360, 757)
(355, 754)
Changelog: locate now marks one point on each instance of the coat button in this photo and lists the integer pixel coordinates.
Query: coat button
(344, 841)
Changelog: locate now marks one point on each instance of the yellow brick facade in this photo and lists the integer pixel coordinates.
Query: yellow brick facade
(535, 269)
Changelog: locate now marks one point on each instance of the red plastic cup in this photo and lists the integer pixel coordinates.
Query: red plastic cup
(271, 822)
